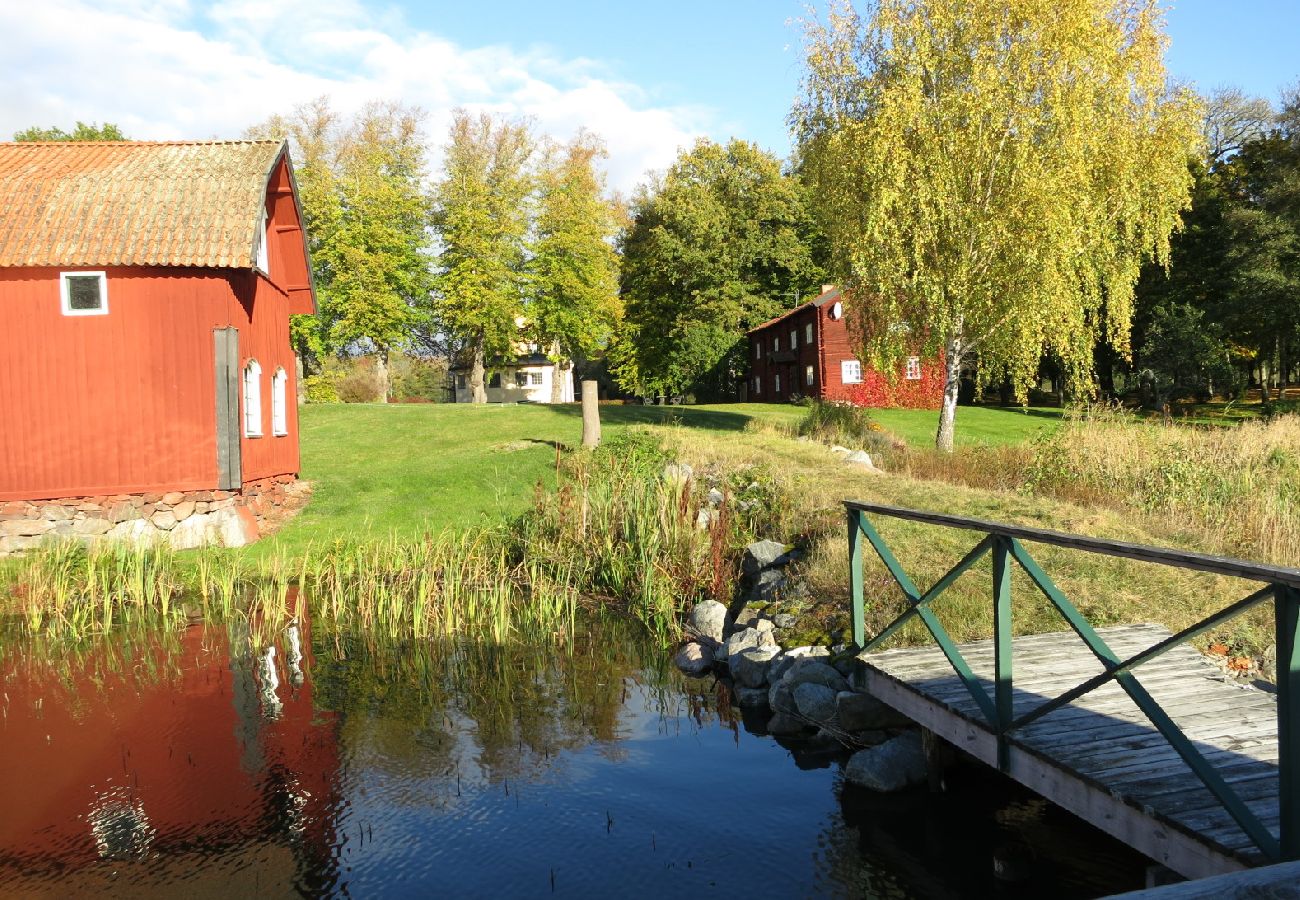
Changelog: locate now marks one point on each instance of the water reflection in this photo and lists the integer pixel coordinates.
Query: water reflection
(217, 760)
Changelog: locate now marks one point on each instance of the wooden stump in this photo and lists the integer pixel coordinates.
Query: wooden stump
(590, 414)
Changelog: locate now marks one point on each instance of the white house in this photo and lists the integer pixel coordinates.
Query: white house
(526, 379)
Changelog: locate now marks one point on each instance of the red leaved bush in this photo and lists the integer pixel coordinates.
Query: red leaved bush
(876, 390)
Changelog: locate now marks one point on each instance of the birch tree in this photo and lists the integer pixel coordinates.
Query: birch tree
(992, 174)
(483, 212)
(575, 306)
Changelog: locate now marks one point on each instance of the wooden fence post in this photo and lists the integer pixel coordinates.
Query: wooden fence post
(590, 414)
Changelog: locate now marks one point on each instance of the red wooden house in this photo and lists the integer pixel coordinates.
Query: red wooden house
(146, 374)
(807, 352)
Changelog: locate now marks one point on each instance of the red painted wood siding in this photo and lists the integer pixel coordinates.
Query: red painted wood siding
(125, 402)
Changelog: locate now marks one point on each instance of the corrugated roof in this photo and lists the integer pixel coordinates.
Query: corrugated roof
(133, 203)
(820, 300)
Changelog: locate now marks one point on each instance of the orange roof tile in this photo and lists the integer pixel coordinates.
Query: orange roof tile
(133, 203)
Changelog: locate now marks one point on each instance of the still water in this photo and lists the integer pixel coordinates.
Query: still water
(206, 763)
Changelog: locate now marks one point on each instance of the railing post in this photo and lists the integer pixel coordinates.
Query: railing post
(855, 577)
(1002, 645)
(1286, 607)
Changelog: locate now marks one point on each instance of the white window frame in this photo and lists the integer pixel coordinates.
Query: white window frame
(758, 349)
(252, 399)
(521, 380)
(535, 379)
(809, 376)
(913, 368)
(807, 334)
(758, 385)
(794, 338)
(778, 384)
(65, 299)
(263, 257)
(776, 344)
(279, 404)
(850, 371)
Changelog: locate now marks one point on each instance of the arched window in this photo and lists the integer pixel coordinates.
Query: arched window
(252, 399)
(279, 414)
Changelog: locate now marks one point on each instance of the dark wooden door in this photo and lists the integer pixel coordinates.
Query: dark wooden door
(227, 359)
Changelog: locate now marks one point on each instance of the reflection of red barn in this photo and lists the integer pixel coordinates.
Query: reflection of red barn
(807, 352)
(145, 294)
(160, 770)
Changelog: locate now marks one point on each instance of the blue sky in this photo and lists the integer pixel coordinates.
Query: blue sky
(649, 77)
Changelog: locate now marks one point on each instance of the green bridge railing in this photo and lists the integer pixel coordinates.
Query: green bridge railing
(1281, 586)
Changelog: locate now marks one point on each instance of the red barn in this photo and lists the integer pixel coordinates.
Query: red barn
(807, 352)
(147, 379)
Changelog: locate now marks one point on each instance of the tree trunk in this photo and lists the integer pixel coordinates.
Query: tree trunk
(381, 374)
(477, 389)
(557, 375)
(298, 370)
(590, 414)
(952, 381)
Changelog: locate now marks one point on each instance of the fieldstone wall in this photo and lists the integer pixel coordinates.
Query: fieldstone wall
(183, 519)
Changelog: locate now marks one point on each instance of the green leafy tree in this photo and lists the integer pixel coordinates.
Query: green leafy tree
(483, 215)
(718, 244)
(81, 132)
(1184, 355)
(362, 187)
(574, 308)
(994, 173)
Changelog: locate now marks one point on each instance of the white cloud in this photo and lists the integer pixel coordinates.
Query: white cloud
(164, 69)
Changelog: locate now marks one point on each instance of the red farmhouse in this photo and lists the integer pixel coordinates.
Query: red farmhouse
(807, 352)
(147, 379)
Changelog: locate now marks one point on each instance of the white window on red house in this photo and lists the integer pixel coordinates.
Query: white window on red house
(83, 293)
(809, 376)
(807, 334)
(279, 409)
(794, 339)
(913, 368)
(758, 385)
(252, 399)
(778, 384)
(758, 350)
(263, 262)
(851, 371)
(776, 344)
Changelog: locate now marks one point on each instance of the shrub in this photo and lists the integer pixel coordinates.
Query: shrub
(839, 422)
(321, 388)
(361, 385)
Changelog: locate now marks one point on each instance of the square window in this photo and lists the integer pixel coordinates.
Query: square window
(495, 380)
(808, 375)
(807, 333)
(83, 293)
(851, 371)
(535, 378)
(521, 379)
(913, 368)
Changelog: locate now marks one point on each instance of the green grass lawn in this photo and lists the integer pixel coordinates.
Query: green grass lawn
(407, 468)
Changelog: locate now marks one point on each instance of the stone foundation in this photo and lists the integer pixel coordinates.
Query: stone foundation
(182, 519)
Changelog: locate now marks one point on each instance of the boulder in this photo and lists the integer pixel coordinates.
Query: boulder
(122, 511)
(749, 667)
(25, 527)
(183, 510)
(769, 583)
(694, 659)
(812, 670)
(709, 617)
(715, 497)
(762, 555)
(751, 697)
(705, 519)
(815, 702)
(677, 473)
(841, 451)
(16, 543)
(863, 712)
(235, 527)
(164, 520)
(861, 457)
(133, 532)
(55, 512)
(191, 532)
(896, 764)
(780, 696)
(784, 724)
(764, 624)
(750, 637)
(784, 620)
(91, 526)
(171, 498)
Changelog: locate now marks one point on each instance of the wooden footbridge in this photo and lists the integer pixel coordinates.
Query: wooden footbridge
(1129, 727)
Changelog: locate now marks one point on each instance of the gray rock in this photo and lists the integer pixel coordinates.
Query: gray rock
(815, 701)
(709, 617)
(863, 712)
(677, 473)
(694, 659)
(846, 664)
(784, 620)
(749, 637)
(769, 584)
(190, 533)
(232, 529)
(16, 543)
(135, 532)
(807, 652)
(845, 451)
(25, 527)
(715, 497)
(55, 512)
(780, 696)
(750, 696)
(765, 625)
(896, 764)
(91, 526)
(784, 723)
(861, 457)
(164, 520)
(812, 670)
(761, 555)
(749, 667)
(705, 519)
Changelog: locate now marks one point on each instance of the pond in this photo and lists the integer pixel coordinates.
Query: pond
(199, 762)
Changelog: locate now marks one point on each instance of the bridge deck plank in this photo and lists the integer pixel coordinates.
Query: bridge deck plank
(1100, 756)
